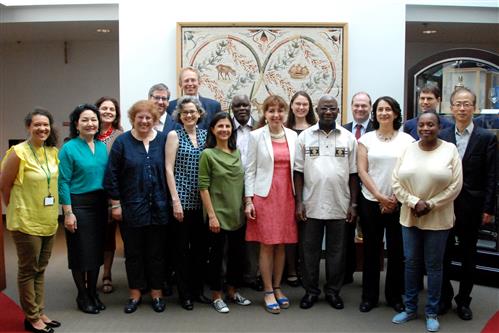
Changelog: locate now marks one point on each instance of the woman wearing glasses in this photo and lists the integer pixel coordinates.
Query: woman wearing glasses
(183, 148)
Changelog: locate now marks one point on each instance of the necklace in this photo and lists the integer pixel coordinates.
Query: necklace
(385, 138)
(278, 135)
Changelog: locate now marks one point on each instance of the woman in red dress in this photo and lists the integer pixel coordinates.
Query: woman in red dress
(269, 200)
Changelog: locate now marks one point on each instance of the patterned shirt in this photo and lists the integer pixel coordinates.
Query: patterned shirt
(187, 168)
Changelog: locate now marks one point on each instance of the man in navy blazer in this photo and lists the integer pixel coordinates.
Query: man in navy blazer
(189, 83)
(361, 124)
(429, 98)
(476, 202)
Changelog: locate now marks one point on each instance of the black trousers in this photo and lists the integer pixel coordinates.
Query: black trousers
(144, 255)
(191, 253)
(235, 258)
(373, 225)
(468, 213)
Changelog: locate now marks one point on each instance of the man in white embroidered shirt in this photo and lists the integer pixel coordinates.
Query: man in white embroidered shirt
(327, 187)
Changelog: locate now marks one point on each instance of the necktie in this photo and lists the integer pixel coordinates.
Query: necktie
(357, 131)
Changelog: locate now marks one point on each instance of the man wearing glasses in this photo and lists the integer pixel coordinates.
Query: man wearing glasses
(188, 81)
(160, 95)
(475, 204)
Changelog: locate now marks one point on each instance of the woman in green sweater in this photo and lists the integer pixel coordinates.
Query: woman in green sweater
(221, 179)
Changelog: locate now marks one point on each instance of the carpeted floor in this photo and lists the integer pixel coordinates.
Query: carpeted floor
(61, 294)
(11, 315)
(492, 325)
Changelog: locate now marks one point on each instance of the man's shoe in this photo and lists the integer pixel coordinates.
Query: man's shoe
(308, 301)
(158, 304)
(464, 312)
(403, 317)
(187, 304)
(366, 306)
(335, 301)
(132, 305)
(203, 299)
(432, 324)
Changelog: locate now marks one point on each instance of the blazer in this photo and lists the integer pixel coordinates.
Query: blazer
(210, 106)
(369, 128)
(260, 161)
(479, 168)
(411, 126)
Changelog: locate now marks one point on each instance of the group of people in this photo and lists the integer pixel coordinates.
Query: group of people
(213, 198)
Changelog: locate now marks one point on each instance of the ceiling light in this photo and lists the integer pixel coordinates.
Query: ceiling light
(428, 31)
(103, 30)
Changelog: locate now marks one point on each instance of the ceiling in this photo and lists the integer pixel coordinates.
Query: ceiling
(58, 31)
(450, 32)
(469, 33)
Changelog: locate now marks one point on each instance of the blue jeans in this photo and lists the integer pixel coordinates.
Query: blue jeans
(426, 246)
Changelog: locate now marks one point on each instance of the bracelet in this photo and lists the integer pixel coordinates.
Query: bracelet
(115, 206)
(68, 213)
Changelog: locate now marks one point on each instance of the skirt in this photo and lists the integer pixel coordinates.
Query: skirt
(86, 244)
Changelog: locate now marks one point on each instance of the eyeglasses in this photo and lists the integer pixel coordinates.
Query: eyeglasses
(465, 105)
(190, 112)
(160, 98)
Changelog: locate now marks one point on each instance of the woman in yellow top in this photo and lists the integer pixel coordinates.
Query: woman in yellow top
(28, 183)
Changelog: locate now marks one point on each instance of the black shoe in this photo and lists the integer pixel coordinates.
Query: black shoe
(87, 306)
(98, 304)
(132, 305)
(464, 312)
(203, 299)
(308, 301)
(335, 301)
(29, 327)
(444, 307)
(187, 304)
(158, 304)
(53, 324)
(366, 306)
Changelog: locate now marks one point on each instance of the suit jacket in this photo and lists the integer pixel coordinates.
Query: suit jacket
(479, 168)
(411, 126)
(210, 106)
(260, 161)
(369, 128)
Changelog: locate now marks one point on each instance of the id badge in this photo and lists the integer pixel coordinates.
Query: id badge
(48, 201)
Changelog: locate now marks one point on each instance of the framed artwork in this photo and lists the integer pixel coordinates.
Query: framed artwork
(260, 59)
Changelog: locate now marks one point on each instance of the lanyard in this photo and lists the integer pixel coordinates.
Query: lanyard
(46, 172)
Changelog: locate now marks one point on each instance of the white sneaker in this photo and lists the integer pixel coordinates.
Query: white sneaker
(220, 306)
(240, 300)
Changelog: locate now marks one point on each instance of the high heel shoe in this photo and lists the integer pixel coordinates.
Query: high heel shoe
(29, 327)
(53, 324)
(272, 307)
(98, 304)
(283, 301)
(85, 305)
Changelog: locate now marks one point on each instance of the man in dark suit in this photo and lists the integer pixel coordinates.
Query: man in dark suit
(429, 99)
(361, 124)
(188, 81)
(476, 202)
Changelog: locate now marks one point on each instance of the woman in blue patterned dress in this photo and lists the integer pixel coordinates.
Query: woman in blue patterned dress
(183, 148)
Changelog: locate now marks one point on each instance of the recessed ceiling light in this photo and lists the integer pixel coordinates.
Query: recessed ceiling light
(429, 32)
(103, 30)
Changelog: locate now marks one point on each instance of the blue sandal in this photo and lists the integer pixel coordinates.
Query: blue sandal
(272, 308)
(283, 301)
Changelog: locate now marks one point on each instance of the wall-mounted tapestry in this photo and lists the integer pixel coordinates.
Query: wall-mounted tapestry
(259, 59)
